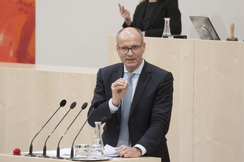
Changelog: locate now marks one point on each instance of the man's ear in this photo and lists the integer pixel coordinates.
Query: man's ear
(144, 46)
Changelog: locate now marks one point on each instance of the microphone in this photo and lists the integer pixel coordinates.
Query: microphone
(95, 105)
(45, 148)
(58, 148)
(30, 154)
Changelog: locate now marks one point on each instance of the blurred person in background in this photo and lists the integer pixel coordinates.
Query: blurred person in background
(149, 17)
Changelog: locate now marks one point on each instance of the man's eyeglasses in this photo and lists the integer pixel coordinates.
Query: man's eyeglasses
(134, 49)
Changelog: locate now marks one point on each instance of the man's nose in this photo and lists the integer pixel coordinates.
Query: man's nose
(130, 52)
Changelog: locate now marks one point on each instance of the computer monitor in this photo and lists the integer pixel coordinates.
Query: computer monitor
(204, 28)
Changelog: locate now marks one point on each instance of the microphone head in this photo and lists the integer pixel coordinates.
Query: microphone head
(62, 103)
(95, 105)
(73, 105)
(84, 105)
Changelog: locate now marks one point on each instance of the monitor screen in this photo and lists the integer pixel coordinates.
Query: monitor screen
(204, 28)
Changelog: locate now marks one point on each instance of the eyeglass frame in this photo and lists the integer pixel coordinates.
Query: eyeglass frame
(128, 49)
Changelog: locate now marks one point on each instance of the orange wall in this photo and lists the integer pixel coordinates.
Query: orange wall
(17, 31)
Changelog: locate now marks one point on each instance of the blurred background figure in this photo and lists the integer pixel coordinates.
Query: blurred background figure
(149, 17)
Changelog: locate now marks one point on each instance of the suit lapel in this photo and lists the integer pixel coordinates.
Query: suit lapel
(118, 73)
(142, 83)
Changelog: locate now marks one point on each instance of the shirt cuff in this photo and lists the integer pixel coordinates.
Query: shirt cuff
(112, 108)
(143, 150)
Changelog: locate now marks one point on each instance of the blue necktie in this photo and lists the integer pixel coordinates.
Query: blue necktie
(125, 112)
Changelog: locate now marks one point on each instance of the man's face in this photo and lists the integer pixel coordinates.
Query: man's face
(130, 38)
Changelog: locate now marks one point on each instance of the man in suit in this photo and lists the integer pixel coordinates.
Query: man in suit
(150, 109)
(149, 17)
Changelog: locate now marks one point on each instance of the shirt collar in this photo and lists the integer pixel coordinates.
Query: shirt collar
(138, 70)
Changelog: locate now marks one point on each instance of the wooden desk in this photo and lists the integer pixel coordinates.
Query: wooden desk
(11, 158)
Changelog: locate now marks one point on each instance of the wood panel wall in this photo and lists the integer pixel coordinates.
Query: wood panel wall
(30, 94)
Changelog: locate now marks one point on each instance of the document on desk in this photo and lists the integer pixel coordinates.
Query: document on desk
(110, 151)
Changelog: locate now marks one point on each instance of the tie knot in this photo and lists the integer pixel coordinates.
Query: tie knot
(130, 75)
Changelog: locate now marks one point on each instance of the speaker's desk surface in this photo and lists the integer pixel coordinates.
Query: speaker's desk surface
(10, 158)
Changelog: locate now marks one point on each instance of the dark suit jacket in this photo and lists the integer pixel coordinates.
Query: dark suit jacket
(150, 110)
(165, 8)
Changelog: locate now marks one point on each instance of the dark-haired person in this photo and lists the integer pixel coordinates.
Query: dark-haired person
(137, 111)
(149, 17)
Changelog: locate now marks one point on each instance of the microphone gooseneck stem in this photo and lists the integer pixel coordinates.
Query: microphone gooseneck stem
(60, 121)
(44, 151)
(58, 152)
(79, 133)
(31, 146)
(72, 147)
(44, 148)
(60, 140)
(58, 148)
(71, 123)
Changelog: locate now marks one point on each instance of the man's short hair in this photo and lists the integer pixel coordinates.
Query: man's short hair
(138, 30)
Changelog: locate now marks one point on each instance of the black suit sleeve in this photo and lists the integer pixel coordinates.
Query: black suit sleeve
(102, 113)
